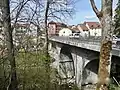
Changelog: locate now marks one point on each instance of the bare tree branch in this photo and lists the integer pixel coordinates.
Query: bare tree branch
(95, 9)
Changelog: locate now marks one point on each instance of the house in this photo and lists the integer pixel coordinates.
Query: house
(23, 32)
(87, 29)
(65, 32)
(25, 29)
(84, 31)
(94, 28)
(75, 29)
(20, 29)
(55, 27)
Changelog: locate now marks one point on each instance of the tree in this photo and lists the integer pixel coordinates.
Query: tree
(52, 10)
(46, 48)
(9, 43)
(25, 12)
(105, 17)
(117, 19)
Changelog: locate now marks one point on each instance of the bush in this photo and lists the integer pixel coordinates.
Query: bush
(113, 87)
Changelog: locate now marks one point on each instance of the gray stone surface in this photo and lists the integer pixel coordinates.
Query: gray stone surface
(84, 61)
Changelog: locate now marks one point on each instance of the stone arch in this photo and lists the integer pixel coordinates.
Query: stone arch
(115, 69)
(52, 45)
(66, 65)
(90, 72)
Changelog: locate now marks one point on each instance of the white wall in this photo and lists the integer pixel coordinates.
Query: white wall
(83, 33)
(65, 32)
(98, 31)
(95, 32)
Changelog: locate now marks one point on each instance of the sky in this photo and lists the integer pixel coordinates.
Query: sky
(84, 11)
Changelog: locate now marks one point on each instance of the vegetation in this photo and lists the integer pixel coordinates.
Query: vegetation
(114, 87)
(25, 63)
(31, 70)
(22, 65)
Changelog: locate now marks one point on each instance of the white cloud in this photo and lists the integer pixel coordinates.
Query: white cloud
(90, 17)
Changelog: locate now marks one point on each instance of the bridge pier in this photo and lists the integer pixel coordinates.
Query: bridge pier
(83, 60)
(77, 60)
(81, 64)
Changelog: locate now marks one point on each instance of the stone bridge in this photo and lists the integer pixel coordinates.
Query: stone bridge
(77, 61)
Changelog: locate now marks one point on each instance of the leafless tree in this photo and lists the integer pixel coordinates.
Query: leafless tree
(9, 43)
(22, 11)
(52, 10)
(7, 28)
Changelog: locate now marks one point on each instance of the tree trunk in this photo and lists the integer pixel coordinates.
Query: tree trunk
(9, 43)
(105, 17)
(46, 47)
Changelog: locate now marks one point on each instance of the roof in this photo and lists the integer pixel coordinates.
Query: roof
(21, 25)
(75, 29)
(59, 24)
(52, 22)
(69, 27)
(65, 29)
(83, 27)
(93, 24)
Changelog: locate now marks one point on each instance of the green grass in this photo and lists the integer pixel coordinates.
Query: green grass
(31, 72)
(114, 87)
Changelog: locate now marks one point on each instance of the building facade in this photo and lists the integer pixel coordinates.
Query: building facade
(94, 28)
(84, 31)
(55, 27)
(65, 32)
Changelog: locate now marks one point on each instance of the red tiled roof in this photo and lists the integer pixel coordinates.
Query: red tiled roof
(61, 24)
(57, 23)
(83, 27)
(75, 29)
(93, 24)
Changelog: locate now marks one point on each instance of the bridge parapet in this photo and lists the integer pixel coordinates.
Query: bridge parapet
(90, 44)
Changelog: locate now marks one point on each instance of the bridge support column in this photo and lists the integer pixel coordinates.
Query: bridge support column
(79, 62)
(54, 52)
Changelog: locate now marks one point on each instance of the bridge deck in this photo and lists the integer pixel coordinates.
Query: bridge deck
(82, 43)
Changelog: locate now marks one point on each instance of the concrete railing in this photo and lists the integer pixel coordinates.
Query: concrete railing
(91, 44)
(94, 41)
(76, 40)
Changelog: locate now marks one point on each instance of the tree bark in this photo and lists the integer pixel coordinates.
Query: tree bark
(105, 17)
(46, 27)
(9, 43)
(46, 47)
